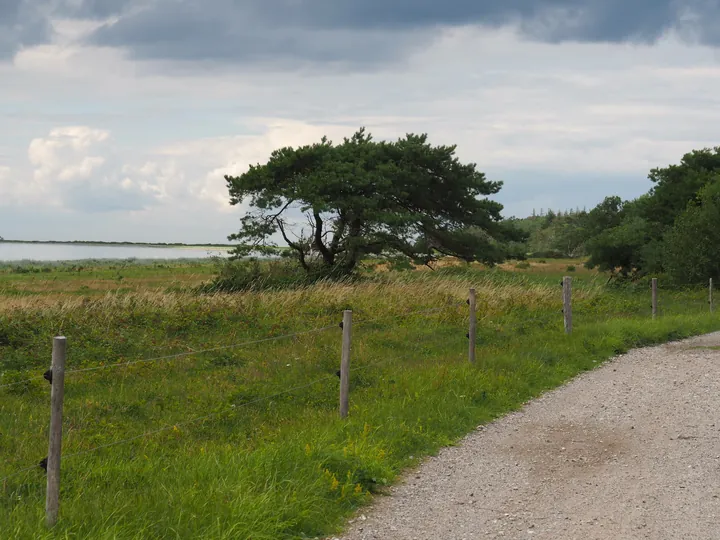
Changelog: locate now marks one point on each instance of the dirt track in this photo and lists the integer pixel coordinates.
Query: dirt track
(630, 450)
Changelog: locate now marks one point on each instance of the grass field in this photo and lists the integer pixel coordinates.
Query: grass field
(247, 442)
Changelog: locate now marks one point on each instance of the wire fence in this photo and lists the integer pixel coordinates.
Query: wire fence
(55, 376)
(234, 407)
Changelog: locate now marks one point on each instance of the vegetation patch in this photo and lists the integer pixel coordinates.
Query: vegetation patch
(245, 442)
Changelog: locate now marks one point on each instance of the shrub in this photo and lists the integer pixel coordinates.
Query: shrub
(254, 274)
(570, 268)
(548, 254)
(524, 265)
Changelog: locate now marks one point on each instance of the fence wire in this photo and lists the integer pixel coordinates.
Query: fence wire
(31, 379)
(202, 351)
(235, 407)
(167, 427)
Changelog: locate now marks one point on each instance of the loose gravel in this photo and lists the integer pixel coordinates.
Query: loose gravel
(630, 450)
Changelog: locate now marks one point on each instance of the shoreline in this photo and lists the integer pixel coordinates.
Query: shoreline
(118, 244)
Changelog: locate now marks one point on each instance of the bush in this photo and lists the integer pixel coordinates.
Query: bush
(516, 250)
(254, 274)
(524, 265)
(570, 268)
(548, 254)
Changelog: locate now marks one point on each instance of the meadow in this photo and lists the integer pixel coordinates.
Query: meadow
(245, 441)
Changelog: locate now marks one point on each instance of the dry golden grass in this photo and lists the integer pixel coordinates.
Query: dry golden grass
(379, 296)
(268, 453)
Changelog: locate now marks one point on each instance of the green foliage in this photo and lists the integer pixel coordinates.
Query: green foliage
(554, 236)
(677, 185)
(550, 254)
(516, 251)
(691, 246)
(620, 247)
(606, 215)
(661, 231)
(571, 268)
(364, 198)
(286, 467)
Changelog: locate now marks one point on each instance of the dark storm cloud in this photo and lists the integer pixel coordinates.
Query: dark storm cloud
(21, 24)
(371, 30)
(93, 9)
(24, 23)
(245, 32)
(353, 31)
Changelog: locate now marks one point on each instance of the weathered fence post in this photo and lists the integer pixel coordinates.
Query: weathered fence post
(710, 298)
(57, 380)
(654, 297)
(472, 331)
(567, 303)
(345, 364)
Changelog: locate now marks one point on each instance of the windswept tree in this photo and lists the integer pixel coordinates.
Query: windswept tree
(333, 205)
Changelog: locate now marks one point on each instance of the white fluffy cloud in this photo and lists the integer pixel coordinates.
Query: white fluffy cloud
(65, 155)
(562, 124)
(212, 158)
(77, 168)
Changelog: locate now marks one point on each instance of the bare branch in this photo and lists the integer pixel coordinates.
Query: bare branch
(273, 218)
(293, 245)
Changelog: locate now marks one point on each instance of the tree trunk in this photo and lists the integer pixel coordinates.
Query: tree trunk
(328, 257)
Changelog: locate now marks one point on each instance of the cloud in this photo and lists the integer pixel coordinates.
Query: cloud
(22, 24)
(375, 31)
(561, 124)
(78, 168)
(5, 187)
(345, 33)
(75, 168)
(61, 155)
(207, 161)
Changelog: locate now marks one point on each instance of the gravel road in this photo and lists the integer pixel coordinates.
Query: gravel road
(630, 450)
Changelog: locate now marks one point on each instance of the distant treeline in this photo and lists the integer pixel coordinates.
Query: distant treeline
(672, 230)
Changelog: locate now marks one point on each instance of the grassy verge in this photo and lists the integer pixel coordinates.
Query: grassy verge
(261, 461)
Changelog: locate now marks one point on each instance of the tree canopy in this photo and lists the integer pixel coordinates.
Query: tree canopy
(671, 229)
(649, 226)
(691, 245)
(332, 205)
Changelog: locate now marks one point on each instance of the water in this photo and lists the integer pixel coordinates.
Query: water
(79, 252)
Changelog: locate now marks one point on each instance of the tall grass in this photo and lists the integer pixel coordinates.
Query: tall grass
(259, 461)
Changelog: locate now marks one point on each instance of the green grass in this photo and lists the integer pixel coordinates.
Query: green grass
(96, 278)
(284, 466)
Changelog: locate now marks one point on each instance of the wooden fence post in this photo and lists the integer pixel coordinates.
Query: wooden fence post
(654, 297)
(345, 364)
(710, 298)
(567, 303)
(52, 497)
(472, 333)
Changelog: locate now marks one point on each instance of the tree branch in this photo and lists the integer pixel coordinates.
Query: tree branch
(290, 201)
(337, 235)
(293, 245)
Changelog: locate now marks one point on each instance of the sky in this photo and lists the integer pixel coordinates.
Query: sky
(119, 118)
